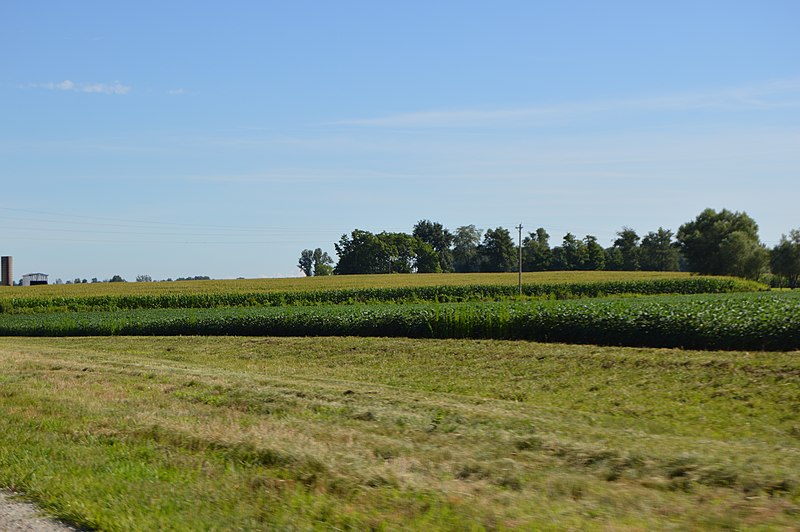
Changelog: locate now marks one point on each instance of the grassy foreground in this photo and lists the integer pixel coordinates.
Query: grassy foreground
(223, 432)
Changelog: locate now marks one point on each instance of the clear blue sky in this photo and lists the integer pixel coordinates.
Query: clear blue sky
(222, 138)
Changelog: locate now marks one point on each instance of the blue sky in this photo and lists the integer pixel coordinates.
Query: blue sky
(210, 138)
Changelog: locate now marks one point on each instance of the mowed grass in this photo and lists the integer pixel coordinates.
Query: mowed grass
(336, 282)
(334, 433)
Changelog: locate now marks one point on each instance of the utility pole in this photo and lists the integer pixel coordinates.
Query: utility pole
(519, 245)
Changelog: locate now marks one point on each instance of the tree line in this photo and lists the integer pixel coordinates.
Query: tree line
(714, 243)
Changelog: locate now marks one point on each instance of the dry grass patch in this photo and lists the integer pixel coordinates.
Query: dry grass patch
(187, 433)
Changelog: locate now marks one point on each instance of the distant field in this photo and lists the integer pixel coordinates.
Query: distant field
(714, 317)
(328, 283)
(214, 294)
(189, 433)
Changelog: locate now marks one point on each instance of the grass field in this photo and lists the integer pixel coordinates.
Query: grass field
(241, 433)
(339, 432)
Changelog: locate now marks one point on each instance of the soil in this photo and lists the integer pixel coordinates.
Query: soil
(16, 515)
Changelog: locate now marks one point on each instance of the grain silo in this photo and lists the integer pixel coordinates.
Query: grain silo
(7, 277)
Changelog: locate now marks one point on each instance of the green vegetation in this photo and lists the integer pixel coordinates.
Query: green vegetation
(315, 262)
(214, 296)
(338, 282)
(723, 243)
(264, 430)
(785, 259)
(243, 433)
(714, 243)
(724, 321)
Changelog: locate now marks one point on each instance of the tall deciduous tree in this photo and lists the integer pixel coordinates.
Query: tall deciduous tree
(439, 238)
(658, 252)
(571, 255)
(536, 253)
(785, 258)
(628, 244)
(361, 252)
(401, 251)
(323, 263)
(306, 262)
(702, 239)
(614, 259)
(466, 243)
(498, 251)
(595, 254)
(427, 259)
(364, 252)
(743, 256)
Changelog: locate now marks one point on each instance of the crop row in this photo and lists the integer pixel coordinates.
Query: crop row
(443, 293)
(769, 321)
(331, 282)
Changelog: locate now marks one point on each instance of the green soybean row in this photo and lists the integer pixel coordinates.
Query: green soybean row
(754, 321)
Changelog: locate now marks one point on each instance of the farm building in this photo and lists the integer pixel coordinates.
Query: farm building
(33, 279)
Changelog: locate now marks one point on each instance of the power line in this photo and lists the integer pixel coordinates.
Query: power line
(519, 245)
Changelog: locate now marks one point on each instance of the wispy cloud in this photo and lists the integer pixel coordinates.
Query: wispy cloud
(92, 88)
(782, 94)
(176, 92)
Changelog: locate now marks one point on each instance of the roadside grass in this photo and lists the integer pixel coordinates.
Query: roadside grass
(195, 433)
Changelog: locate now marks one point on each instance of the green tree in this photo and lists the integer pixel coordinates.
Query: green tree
(427, 259)
(595, 258)
(401, 251)
(365, 252)
(306, 262)
(785, 258)
(658, 252)
(571, 255)
(628, 245)
(323, 263)
(536, 253)
(743, 256)
(466, 243)
(361, 252)
(498, 251)
(440, 239)
(701, 242)
(614, 259)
